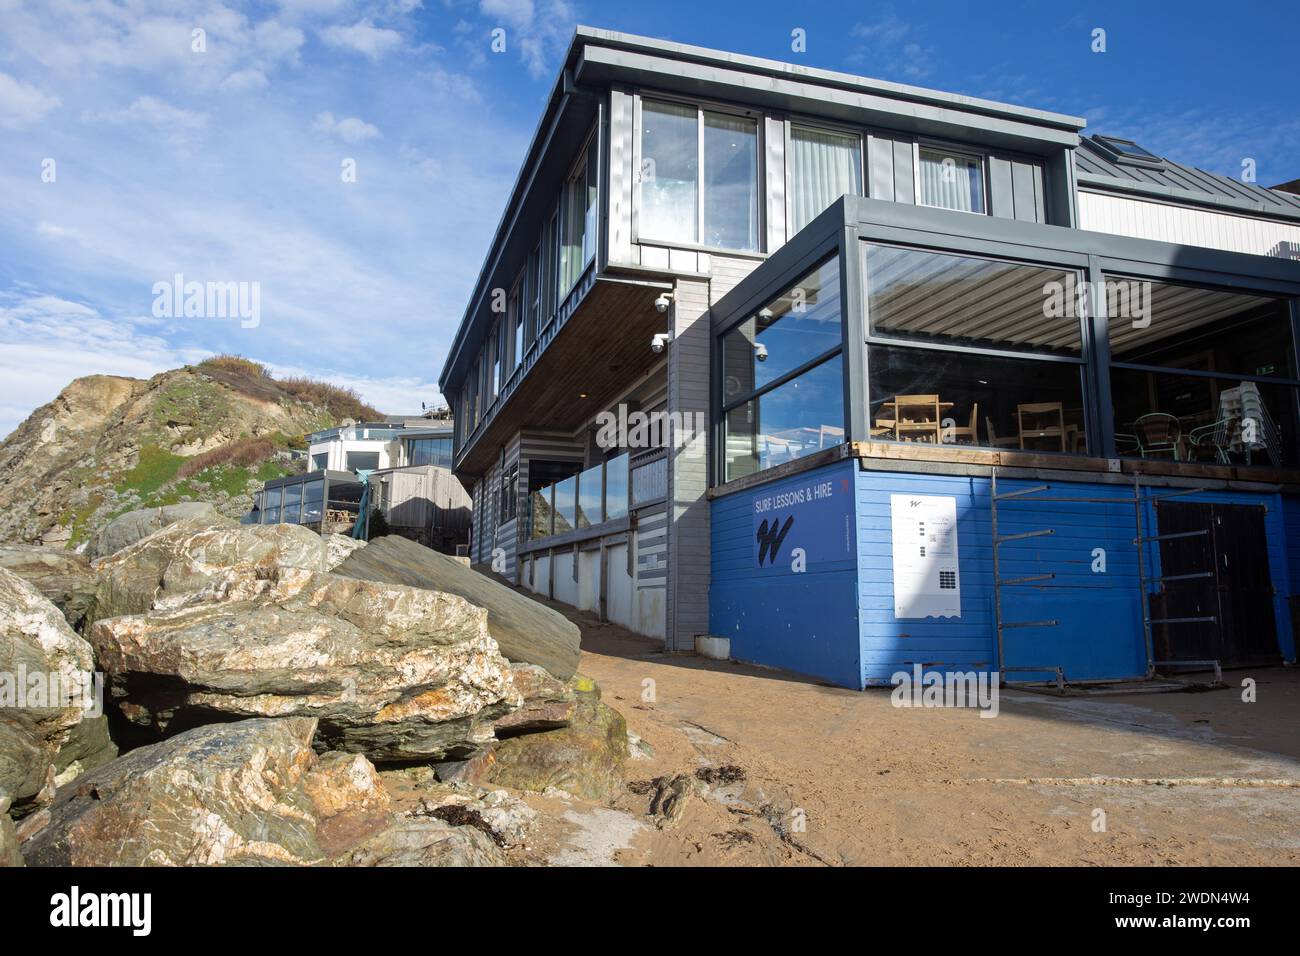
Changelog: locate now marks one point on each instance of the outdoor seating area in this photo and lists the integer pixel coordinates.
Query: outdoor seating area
(928, 418)
(1240, 430)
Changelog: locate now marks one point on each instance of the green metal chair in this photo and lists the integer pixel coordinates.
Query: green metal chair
(1159, 433)
(1216, 438)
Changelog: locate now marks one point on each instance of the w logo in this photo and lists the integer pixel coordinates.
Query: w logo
(769, 539)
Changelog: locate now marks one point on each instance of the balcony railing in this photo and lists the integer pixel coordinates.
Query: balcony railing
(579, 502)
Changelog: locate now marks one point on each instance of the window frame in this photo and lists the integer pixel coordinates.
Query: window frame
(829, 127)
(579, 167)
(701, 107)
(966, 152)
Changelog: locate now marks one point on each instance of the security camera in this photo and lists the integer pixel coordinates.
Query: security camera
(760, 351)
(661, 303)
(659, 343)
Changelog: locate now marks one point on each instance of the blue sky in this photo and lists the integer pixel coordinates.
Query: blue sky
(225, 164)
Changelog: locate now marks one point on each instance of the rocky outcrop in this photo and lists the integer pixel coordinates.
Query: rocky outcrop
(9, 852)
(393, 672)
(426, 842)
(183, 558)
(50, 724)
(107, 445)
(251, 793)
(127, 529)
(526, 630)
(63, 577)
(548, 704)
(584, 758)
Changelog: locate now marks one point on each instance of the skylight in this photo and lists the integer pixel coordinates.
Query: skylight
(1127, 149)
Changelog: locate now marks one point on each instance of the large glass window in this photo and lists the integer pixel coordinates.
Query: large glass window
(963, 398)
(566, 505)
(950, 180)
(1201, 374)
(824, 165)
(362, 460)
(730, 182)
(291, 505)
(312, 496)
(783, 378)
(271, 506)
(788, 332)
(429, 451)
(698, 177)
(669, 175)
(931, 297)
(797, 418)
(937, 324)
(581, 191)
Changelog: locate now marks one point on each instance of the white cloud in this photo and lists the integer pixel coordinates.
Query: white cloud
(538, 31)
(892, 48)
(244, 81)
(350, 130)
(152, 111)
(22, 104)
(363, 37)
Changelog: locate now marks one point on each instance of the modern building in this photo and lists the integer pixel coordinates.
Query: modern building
(863, 377)
(406, 462)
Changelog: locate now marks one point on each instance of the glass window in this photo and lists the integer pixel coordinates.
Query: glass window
(790, 331)
(1217, 417)
(312, 496)
(550, 267)
(320, 461)
(429, 451)
(291, 505)
(616, 477)
(591, 490)
(1221, 421)
(824, 165)
(967, 398)
(950, 180)
(578, 246)
(670, 159)
(1193, 327)
(925, 296)
(566, 505)
(790, 421)
(730, 182)
(529, 321)
(539, 509)
(362, 460)
(271, 506)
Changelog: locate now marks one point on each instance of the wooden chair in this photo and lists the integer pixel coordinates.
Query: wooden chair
(968, 435)
(917, 418)
(994, 440)
(1041, 420)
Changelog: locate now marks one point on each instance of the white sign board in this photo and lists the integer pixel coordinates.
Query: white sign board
(926, 579)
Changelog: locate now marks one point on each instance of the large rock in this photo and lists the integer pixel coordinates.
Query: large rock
(62, 576)
(126, 529)
(426, 842)
(251, 793)
(584, 758)
(182, 558)
(51, 724)
(527, 631)
(9, 852)
(393, 672)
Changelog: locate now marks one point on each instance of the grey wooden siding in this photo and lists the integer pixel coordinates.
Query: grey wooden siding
(652, 548)
(688, 512)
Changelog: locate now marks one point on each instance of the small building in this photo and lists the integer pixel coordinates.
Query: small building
(864, 377)
(405, 461)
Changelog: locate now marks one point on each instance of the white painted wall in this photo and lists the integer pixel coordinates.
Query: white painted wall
(1144, 219)
(337, 450)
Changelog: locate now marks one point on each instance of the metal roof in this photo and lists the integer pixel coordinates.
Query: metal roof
(1099, 168)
